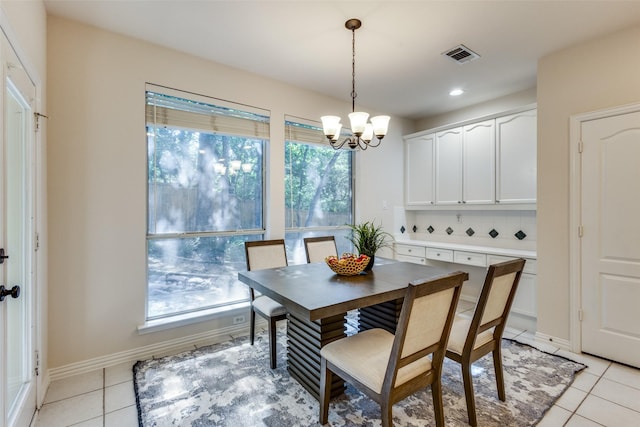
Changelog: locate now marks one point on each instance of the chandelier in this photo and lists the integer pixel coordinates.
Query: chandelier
(362, 131)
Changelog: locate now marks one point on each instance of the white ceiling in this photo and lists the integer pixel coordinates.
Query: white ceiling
(400, 68)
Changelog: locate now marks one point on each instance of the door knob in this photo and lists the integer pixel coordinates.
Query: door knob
(2, 256)
(14, 292)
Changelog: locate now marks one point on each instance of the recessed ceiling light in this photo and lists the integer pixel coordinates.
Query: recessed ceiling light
(456, 92)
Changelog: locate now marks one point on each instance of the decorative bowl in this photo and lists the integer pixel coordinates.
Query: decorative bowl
(348, 264)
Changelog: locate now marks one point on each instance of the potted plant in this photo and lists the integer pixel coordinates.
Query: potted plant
(368, 238)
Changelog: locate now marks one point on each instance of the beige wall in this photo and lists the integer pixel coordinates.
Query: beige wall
(591, 76)
(97, 177)
(484, 109)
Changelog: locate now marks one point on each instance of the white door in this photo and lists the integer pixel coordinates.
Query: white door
(17, 368)
(610, 264)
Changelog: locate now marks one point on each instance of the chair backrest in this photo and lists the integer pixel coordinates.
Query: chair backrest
(318, 248)
(496, 298)
(265, 254)
(425, 322)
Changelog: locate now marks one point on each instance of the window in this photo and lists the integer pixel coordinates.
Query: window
(205, 198)
(318, 188)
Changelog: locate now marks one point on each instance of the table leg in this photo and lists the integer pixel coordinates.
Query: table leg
(305, 339)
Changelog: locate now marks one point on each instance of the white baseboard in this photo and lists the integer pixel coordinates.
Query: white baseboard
(147, 352)
(558, 342)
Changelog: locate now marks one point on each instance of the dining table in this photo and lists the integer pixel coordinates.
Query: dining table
(317, 301)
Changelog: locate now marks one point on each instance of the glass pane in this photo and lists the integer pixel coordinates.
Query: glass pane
(295, 243)
(318, 186)
(187, 274)
(200, 182)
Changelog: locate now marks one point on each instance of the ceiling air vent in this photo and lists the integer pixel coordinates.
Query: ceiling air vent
(461, 54)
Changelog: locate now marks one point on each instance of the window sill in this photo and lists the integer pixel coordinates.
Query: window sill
(191, 318)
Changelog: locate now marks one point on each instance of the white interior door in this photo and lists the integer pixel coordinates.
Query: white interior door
(610, 246)
(17, 370)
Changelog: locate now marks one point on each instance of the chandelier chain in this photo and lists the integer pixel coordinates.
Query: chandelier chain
(353, 70)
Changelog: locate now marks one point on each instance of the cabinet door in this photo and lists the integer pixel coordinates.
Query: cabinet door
(449, 167)
(419, 171)
(478, 163)
(516, 142)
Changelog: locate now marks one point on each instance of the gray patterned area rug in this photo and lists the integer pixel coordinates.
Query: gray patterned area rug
(230, 384)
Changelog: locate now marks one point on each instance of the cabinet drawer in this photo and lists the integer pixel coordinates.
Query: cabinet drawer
(470, 258)
(440, 254)
(413, 259)
(410, 250)
(530, 266)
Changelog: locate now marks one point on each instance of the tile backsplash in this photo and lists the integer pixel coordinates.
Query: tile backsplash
(513, 229)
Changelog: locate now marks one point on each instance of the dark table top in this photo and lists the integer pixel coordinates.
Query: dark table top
(316, 292)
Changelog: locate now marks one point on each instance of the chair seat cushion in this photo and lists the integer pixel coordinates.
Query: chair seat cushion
(459, 332)
(365, 357)
(268, 307)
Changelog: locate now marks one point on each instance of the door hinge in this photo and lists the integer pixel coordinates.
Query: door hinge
(580, 231)
(580, 147)
(37, 363)
(36, 118)
(37, 243)
(580, 314)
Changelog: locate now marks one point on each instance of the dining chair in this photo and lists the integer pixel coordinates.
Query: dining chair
(266, 254)
(472, 338)
(318, 248)
(388, 367)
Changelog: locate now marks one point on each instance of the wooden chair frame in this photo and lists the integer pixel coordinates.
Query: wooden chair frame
(471, 354)
(390, 393)
(272, 320)
(311, 240)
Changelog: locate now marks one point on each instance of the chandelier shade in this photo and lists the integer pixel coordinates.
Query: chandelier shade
(362, 131)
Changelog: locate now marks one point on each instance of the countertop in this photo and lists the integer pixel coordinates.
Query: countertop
(470, 248)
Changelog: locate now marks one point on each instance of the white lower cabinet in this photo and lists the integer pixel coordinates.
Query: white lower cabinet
(525, 300)
(524, 303)
(410, 253)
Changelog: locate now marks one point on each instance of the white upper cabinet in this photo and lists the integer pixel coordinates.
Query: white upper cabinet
(516, 142)
(482, 165)
(478, 163)
(419, 172)
(449, 167)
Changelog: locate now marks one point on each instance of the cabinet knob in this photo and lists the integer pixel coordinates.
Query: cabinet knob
(468, 258)
(459, 202)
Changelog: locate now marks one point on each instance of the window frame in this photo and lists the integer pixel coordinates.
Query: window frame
(322, 142)
(204, 311)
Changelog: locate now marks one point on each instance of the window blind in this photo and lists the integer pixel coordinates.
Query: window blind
(167, 109)
(305, 131)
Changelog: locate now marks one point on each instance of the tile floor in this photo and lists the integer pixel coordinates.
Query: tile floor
(604, 394)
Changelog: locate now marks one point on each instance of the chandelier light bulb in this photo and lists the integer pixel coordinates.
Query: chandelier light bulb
(358, 122)
(380, 125)
(367, 135)
(331, 126)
